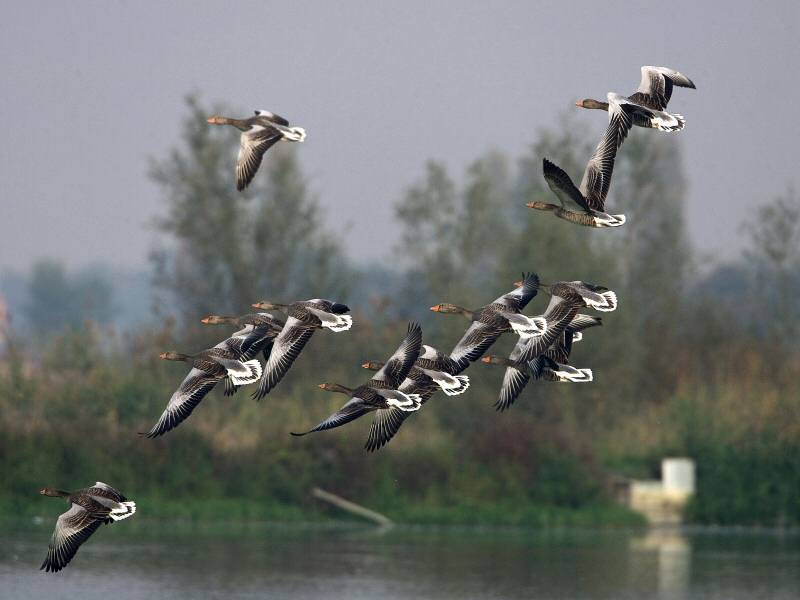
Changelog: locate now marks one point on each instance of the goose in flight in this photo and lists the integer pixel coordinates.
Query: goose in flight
(259, 134)
(381, 392)
(431, 372)
(258, 333)
(494, 319)
(585, 205)
(304, 318)
(89, 508)
(651, 99)
(551, 365)
(209, 367)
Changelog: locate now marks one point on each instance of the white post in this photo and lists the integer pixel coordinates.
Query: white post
(677, 476)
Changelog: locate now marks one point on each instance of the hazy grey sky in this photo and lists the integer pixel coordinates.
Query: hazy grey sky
(91, 90)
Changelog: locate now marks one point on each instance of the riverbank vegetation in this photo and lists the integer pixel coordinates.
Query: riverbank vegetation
(700, 360)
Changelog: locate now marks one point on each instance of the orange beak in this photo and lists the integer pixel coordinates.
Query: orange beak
(204, 320)
(486, 359)
(518, 283)
(162, 355)
(435, 308)
(365, 365)
(530, 205)
(212, 120)
(256, 305)
(321, 386)
(579, 103)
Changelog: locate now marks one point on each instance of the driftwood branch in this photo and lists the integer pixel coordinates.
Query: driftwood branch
(352, 507)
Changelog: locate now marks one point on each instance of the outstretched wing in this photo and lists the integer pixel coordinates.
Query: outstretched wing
(473, 344)
(561, 185)
(188, 395)
(395, 369)
(353, 409)
(597, 176)
(72, 529)
(558, 315)
(252, 146)
(287, 347)
(657, 83)
(385, 425)
(518, 298)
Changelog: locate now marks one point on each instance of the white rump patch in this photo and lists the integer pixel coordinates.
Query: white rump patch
(405, 402)
(123, 511)
(452, 385)
(338, 322)
(252, 373)
(577, 336)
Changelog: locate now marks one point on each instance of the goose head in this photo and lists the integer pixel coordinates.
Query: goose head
(335, 387)
(590, 103)
(53, 492)
(219, 320)
(495, 360)
(540, 205)
(173, 356)
(372, 365)
(445, 307)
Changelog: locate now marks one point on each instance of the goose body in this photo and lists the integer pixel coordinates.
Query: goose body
(432, 371)
(209, 367)
(258, 333)
(304, 318)
(491, 321)
(381, 393)
(259, 134)
(649, 102)
(585, 205)
(551, 365)
(89, 508)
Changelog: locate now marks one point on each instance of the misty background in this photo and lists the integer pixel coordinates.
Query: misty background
(95, 91)
(122, 228)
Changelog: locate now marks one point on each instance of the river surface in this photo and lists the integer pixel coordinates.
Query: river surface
(156, 560)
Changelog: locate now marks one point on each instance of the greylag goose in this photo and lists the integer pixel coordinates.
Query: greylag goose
(431, 372)
(89, 508)
(494, 319)
(381, 392)
(552, 365)
(586, 205)
(304, 318)
(651, 99)
(209, 367)
(259, 134)
(258, 332)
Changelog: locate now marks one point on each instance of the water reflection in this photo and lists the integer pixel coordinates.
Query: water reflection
(673, 551)
(255, 561)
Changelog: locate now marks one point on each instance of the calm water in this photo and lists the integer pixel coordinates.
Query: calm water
(154, 561)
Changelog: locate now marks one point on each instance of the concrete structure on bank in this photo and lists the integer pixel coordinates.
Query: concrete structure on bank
(661, 501)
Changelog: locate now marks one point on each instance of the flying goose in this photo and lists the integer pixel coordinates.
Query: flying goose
(89, 508)
(551, 365)
(209, 367)
(304, 318)
(585, 205)
(490, 321)
(380, 393)
(259, 134)
(258, 333)
(431, 372)
(651, 99)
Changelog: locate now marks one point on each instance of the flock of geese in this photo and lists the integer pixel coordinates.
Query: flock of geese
(406, 380)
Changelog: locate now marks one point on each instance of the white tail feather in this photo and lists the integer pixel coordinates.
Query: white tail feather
(577, 336)
(454, 388)
(294, 134)
(407, 402)
(123, 511)
(606, 220)
(342, 323)
(254, 374)
(534, 327)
